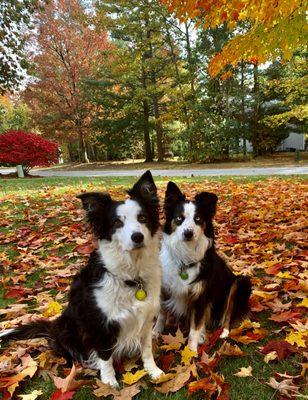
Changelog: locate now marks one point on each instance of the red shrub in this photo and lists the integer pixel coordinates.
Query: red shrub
(27, 149)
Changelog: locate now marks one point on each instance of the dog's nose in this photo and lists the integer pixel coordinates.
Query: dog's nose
(137, 237)
(188, 234)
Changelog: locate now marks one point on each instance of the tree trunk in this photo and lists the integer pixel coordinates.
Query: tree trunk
(146, 125)
(158, 124)
(190, 61)
(192, 141)
(243, 106)
(82, 147)
(255, 118)
(159, 131)
(178, 77)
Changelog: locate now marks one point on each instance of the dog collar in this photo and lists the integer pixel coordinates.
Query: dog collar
(183, 270)
(140, 294)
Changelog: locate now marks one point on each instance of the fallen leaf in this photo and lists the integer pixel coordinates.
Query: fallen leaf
(205, 384)
(285, 275)
(167, 361)
(182, 375)
(69, 383)
(128, 393)
(272, 355)
(281, 347)
(284, 316)
(104, 390)
(163, 378)
(130, 378)
(32, 396)
(227, 349)
(59, 395)
(298, 338)
(244, 372)
(173, 342)
(285, 387)
(54, 308)
(187, 355)
(303, 303)
(12, 382)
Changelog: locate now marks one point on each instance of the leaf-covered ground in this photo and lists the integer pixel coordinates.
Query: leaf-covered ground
(260, 229)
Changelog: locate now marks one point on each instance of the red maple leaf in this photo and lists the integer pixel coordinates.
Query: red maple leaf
(282, 348)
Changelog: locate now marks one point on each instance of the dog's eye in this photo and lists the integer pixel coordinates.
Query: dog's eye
(179, 220)
(117, 223)
(142, 218)
(197, 218)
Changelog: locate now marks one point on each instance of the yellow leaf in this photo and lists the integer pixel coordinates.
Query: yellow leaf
(53, 309)
(32, 396)
(30, 371)
(130, 378)
(163, 378)
(285, 275)
(297, 338)
(171, 346)
(187, 355)
(265, 295)
(304, 303)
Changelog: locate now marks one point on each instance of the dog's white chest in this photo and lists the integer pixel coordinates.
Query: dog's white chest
(179, 289)
(119, 303)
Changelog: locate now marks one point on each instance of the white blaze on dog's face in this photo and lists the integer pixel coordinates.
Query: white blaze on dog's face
(131, 230)
(131, 223)
(189, 221)
(187, 224)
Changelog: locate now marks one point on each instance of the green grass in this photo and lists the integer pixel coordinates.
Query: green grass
(250, 388)
(31, 186)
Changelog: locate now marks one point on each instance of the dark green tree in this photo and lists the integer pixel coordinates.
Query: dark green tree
(16, 18)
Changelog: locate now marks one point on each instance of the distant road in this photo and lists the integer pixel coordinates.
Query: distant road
(289, 170)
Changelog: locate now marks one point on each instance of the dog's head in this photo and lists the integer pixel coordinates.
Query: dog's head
(189, 220)
(133, 222)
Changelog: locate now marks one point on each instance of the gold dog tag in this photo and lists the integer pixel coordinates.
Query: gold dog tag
(140, 294)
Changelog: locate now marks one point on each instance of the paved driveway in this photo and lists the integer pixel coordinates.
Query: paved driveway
(289, 170)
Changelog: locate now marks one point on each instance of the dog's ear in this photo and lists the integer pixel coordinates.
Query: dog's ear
(173, 194)
(144, 189)
(207, 202)
(94, 202)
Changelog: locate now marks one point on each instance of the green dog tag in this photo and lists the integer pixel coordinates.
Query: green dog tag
(140, 294)
(184, 275)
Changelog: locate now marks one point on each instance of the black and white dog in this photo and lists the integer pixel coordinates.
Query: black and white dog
(197, 284)
(114, 300)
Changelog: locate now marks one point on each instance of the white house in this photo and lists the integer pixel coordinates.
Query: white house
(295, 141)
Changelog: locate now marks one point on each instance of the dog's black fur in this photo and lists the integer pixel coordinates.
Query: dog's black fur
(215, 275)
(83, 327)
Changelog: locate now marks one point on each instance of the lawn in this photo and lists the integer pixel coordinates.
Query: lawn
(260, 230)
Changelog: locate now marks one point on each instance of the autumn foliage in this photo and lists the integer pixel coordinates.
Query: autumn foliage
(27, 148)
(70, 51)
(260, 228)
(266, 30)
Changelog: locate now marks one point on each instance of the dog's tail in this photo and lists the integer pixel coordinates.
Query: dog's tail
(61, 334)
(30, 331)
(242, 294)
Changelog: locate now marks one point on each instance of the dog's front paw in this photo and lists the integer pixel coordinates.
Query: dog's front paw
(224, 334)
(155, 372)
(109, 380)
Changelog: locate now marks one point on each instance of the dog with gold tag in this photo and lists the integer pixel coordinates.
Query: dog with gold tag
(114, 300)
